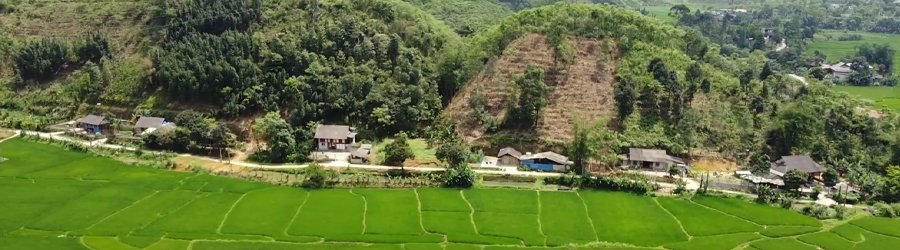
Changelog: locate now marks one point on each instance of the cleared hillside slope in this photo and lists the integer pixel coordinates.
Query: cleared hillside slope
(582, 88)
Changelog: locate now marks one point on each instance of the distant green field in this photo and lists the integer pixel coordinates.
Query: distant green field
(661, 12)
(882, 97)
(419, 147)
(834, 50)
(57, 199)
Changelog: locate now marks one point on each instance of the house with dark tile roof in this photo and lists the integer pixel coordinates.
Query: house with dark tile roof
(509, 157)
(334, 137)
(148, 124)
(802, 163)
(656, 159)
(93, 124)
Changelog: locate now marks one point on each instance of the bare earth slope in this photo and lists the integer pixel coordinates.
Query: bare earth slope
(583, 88)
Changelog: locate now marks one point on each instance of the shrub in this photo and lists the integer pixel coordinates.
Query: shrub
(633, 185)
(842, 212)
(884, 210)
(853, 37)
(459, 177)
(818, 211)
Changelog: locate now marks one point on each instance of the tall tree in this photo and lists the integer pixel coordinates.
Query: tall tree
(591, 142)
(766, 72)
(455, 154)
(794, 179)
(532, 98)
(277, 135)
(626, 97)
(760, 164)
(398, 151)
(797, 127)
(892, 183)
(830, 177)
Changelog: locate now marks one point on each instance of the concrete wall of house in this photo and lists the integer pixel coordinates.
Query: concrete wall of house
(559, 167)
(508, 160)
(658, 166)
(333, 144)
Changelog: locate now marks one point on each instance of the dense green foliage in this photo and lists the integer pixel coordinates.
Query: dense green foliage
(397, 151)
(369, 63)
(527, 111)
(465, 17)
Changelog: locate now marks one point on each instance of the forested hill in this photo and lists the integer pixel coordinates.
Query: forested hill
(671, 89)
(378, 64)
(386, 66)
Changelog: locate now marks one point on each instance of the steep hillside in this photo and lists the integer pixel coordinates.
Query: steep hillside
(582, 88)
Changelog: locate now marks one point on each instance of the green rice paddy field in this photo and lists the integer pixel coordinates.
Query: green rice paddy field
(834, 49)
(881, 96)
(55, 199)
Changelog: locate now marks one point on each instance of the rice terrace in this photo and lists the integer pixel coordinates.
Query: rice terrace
(58, 199)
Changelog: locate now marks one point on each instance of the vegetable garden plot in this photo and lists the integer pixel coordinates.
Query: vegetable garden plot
(508, 201)
(827, 241)
(877, 242)
(14, 215)
(224, 184)
(214, 245)
(422, 246)
(448, 222)
(40, 243)
(140, 242)
(462, 247)
(215, 236)
(25, 157)
(449, 200)
(618, 217)
(391, 212)
(329, 212)
(150, 178)
(564, 219)
(520, 226)
(142, 213)
(90, 208)
(45, 191)
(701, 221)
(166, 244)
(849, 232)
(718, 242)
(785, 231)
(265, 212)
(203, 215)
(93, 168)
(879, 225)
(386, 238)
(105, 243)
(760, 214)
(781, 244)
(458, 228)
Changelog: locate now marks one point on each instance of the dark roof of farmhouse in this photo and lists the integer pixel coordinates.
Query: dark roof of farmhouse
(333, 132)
(509, 151)
(150, 122)
(93, 120)
(804, 163)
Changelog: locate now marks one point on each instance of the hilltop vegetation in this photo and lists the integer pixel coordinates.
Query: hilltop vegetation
(385, 66)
